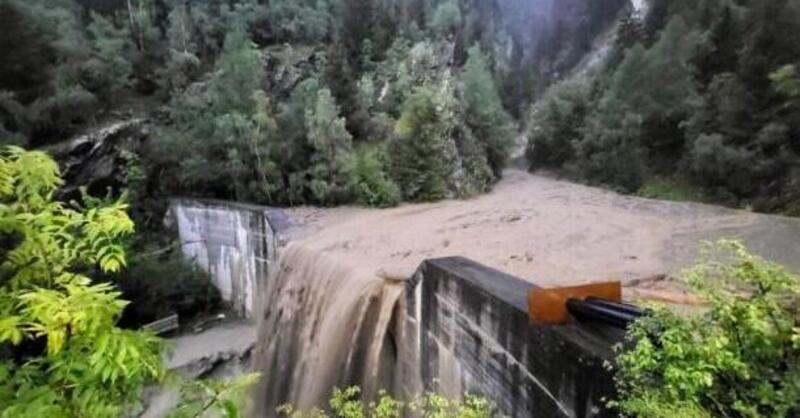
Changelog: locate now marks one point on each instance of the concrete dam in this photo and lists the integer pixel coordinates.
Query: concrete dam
(392, 299)
(453, 327)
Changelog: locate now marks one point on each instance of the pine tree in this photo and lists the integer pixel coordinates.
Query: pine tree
(332, 145)
(484, 113)
(447, 18)
(418, 155)
(111, 45)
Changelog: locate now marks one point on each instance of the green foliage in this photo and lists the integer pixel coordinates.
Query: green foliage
(657, 81)
(296, 21)
(346, 403)
(182, 63)
(112, 47)
(698, 91)
(555, 125)
(484, 113)
(446, 18)
(332, 145)
(740, 357)
(369, 182)
(240, 73)
(610, 152)
(62, 354)
(664, 188)
(720, 164)
(219, 139)
(214, 398)
(188, 292)
(419, 164)
(437, 153)
(786, 80)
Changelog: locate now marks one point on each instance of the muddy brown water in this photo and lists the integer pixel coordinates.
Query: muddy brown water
(544, 230)
(331, 298)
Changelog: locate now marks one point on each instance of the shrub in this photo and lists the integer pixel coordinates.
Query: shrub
(556, 125)
(346, 403)
(61, 351)
(62, 112)
(609, 151)
(739, 357)
(369, 182)
(446, 18)
(716, 164)
(669, 188)
(159, 286)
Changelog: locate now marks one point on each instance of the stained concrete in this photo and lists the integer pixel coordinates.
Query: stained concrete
(235, 243)
(466, 330)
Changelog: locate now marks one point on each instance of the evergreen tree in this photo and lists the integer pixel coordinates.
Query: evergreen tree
(332, 146)
(111, 46)
(447, 18)
(240, 73)
(26, 53)
(418, 154)
(556, 125)
(484, 113)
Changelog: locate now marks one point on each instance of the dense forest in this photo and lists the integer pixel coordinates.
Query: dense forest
(293, 102)
(698, 100)
(375, 102)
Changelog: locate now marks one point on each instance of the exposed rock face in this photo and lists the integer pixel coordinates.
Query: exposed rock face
(97, 159)
(537, 42)
(288, 65)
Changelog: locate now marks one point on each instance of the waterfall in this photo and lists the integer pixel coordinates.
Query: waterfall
(322, 324)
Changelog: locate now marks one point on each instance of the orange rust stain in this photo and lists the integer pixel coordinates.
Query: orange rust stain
(549, 306)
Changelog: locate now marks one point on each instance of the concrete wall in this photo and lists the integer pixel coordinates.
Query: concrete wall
(234, 243)
(463, 327)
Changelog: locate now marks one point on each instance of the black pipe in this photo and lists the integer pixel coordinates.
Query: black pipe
(623, 307)
(601, 312)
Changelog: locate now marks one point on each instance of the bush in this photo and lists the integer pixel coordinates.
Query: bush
(669, 188)
(62, 112)
(740, 357)
(556, 125)
(62, 353)
(346, 403)
(609, 152)
(159, 286)
(717, 164)
(446, 18)
(369, 182)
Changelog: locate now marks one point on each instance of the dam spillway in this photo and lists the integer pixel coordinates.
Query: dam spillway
(453, 327)
(442, 333)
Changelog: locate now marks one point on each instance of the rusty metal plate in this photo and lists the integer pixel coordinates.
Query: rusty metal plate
(549, 306)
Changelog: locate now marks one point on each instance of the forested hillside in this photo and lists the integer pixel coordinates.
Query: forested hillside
(293, 102)
(700, 99)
